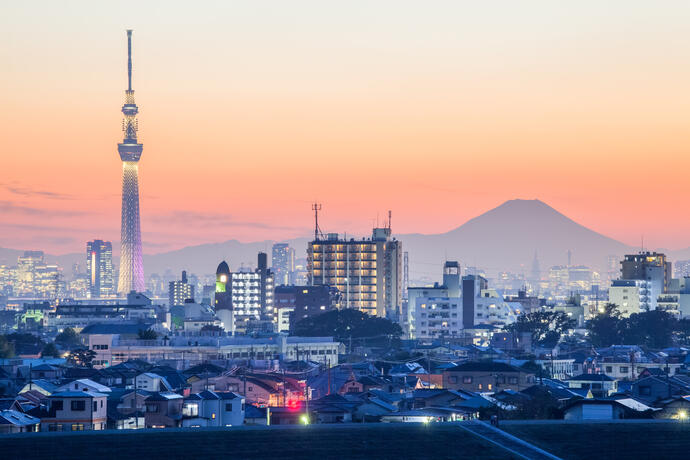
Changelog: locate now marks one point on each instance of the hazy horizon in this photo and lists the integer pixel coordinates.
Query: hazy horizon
(251, 111)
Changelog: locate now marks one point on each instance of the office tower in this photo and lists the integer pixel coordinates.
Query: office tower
(648, 266)
(367, 272)
(179, 291)
(283, 264)
(131, 259)
(99, 268)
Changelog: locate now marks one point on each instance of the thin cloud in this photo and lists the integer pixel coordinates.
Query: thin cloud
(30, 192)
(204, 219)
(16, 208)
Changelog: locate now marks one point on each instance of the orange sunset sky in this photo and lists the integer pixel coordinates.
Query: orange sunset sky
(251, 110)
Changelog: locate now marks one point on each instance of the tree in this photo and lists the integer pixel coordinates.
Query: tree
(546, 328)
(68, 338)
(50, 350)
(212, 328)
(605, 327)
(81, 357)
(346, 323)
(654, 329)
(147, 334)
(6, 347)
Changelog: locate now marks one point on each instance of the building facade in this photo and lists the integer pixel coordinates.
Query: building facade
(283, 264)
(367, 272)
(99, 268)
(179, 291)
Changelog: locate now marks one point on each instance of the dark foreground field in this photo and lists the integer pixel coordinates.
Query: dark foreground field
(376, 441)
(608, 441)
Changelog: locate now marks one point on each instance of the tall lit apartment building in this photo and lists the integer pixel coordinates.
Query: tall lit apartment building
(179, 291)
(649, 266)
(99, 268)
(244, 297)
(367, 272)
(283, 264)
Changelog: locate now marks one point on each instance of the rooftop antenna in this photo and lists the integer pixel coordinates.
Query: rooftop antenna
(390, 218)
(642, 243)
(316, 207)
(129, 59)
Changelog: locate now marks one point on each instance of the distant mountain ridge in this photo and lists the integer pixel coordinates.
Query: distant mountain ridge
(502, 239)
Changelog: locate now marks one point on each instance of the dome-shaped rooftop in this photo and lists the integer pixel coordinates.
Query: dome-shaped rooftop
(223, 268)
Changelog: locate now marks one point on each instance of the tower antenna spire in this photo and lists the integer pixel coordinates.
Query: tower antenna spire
(129, 59)
(316, 207)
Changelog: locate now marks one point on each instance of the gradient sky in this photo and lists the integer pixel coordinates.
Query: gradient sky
(252, 110)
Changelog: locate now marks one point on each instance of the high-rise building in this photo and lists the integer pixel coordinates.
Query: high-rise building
(99, 268)
(180, 291)
(248, 296)
(649, 266)
(283, 264)
(131, 258)
(367, 272)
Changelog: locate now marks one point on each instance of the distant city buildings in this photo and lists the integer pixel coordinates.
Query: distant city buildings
(99, 268)
(681, 268)
(367, 272)
(33, 277)
(283, 264)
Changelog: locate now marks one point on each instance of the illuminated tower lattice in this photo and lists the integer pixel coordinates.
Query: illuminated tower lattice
(131, 261)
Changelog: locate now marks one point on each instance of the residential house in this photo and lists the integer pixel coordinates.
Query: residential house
(486, 376)
(164, 410)
(598, 384)
(14, 421)
(652, 389)
(677, 408)
(210, 408)
(74, 411)
(595, 409)
(151, 382)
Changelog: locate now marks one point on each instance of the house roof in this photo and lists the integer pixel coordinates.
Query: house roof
(485, 366)
(86, 383)
(44, 367)
(44, 384)
(165, 396)
(251, 411)
(115, 328)
(13, 417)
(591, 378)
(77, 394)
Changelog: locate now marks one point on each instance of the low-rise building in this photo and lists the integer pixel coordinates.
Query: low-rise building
(210, 408)
(164, 410)
(486, 376)
(75, 411)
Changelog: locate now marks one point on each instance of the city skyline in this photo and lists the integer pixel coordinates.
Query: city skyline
(404, 98)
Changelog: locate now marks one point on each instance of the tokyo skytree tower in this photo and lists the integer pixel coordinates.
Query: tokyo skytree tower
(131, 260)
